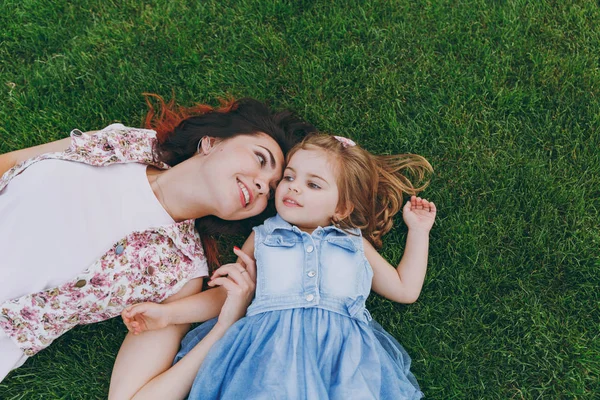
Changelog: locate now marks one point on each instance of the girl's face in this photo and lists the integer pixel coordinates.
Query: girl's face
(241, 174)
(308, 194)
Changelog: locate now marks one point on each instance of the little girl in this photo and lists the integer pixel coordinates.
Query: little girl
(307, 333)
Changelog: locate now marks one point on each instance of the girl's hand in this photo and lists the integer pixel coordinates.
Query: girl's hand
(145, 317)
(238, 280)
(419, 214)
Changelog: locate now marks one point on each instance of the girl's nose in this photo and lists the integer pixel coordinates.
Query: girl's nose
(293, 187)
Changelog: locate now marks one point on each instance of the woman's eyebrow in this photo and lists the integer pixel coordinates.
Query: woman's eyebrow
(271, 158)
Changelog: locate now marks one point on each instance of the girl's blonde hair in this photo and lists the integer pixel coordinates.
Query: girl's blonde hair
(371, 187)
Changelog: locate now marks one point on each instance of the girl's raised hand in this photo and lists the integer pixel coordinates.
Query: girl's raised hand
(419, 213)
(238, 279)
(145, 317)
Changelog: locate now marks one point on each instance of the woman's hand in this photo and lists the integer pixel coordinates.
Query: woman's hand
(238, 279)
(419, 214)
(145, 317)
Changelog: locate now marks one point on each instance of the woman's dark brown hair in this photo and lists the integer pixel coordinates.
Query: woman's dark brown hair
(179, 129)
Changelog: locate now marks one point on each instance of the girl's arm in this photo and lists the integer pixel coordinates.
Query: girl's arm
(9, 160)
(403, 284)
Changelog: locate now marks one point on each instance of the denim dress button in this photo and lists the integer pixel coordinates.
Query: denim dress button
(311, 274)
(309, 249)
(310, 297)
(119, 249)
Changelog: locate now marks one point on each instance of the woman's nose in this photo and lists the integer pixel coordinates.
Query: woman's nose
(261, 186)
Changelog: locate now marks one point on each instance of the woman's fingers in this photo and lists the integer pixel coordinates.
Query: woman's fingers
(238, 280)
(249, 263)
(246, 270)
(227, 283)
(227, 269)
(235, 279)
(236, 273)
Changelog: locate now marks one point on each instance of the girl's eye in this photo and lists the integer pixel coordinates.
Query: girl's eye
(261, 159)
(313, 185)
(288, 178)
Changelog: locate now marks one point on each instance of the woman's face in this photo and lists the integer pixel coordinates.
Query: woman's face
(241, 174)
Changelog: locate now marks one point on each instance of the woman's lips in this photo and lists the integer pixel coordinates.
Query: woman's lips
(245, 194)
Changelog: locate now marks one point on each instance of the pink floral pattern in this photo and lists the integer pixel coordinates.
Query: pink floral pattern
(144, 266)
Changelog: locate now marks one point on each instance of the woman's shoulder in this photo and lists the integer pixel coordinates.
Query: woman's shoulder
(118, 128)
(116, 143)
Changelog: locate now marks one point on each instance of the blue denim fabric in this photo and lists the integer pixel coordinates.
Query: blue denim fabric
(327, 269)
(307, 334)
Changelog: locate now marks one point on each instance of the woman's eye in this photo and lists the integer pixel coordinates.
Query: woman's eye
(261, 159)
(314, 186)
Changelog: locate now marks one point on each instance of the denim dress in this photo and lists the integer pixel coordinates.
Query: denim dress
(307, 334)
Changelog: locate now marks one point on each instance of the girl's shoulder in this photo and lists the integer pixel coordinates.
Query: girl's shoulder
(273, 224)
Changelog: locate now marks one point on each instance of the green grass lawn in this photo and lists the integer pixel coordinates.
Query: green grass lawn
(501, 96)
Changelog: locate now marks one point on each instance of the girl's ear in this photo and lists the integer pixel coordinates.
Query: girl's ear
(343, 212)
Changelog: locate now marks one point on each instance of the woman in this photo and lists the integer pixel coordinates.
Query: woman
(94, 240)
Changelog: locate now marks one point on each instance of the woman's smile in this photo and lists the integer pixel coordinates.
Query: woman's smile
(246, 196)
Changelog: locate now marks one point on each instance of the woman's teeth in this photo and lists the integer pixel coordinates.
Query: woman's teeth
(245, 192)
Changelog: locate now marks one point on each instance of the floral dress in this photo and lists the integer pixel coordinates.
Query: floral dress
(146, 265)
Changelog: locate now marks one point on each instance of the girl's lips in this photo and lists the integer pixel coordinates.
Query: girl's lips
(289, 202)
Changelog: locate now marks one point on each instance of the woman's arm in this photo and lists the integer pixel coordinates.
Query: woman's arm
(9, 160)
(176, 382)
(404, 283)
(144, 356)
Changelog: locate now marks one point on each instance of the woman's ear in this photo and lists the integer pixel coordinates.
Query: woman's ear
(207, 144)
